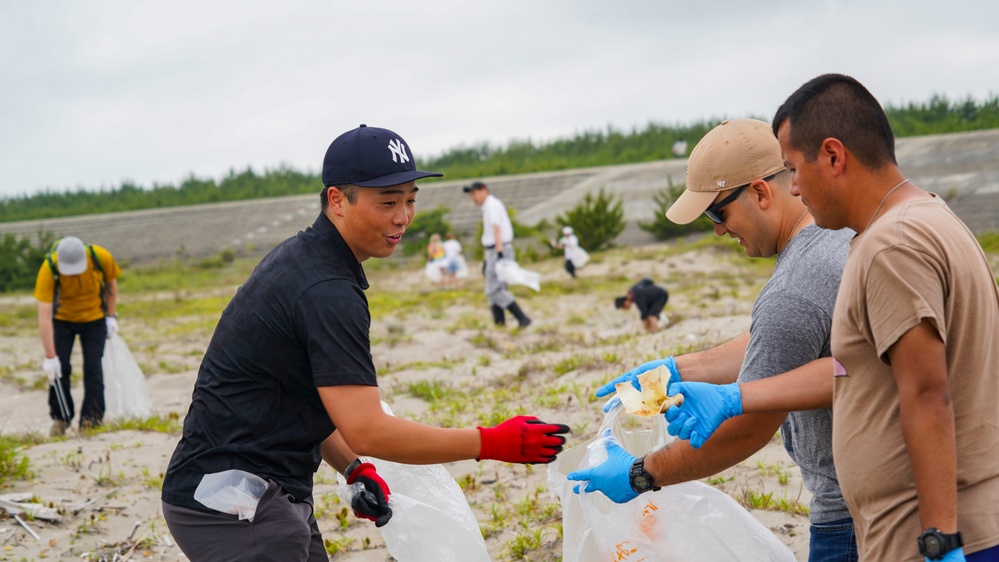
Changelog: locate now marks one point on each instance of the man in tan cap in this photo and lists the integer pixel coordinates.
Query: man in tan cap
(736, 176)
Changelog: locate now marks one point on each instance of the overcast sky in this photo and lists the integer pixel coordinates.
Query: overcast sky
(94, 93)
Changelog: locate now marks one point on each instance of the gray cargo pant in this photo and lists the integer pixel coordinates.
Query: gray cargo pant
(282, 530)
(496, 292)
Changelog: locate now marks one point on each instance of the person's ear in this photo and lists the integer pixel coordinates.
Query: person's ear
(336, 200)
(761, 193)
(833, 153)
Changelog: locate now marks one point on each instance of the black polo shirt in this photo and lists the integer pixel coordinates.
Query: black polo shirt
(301, 321)
(649, 298)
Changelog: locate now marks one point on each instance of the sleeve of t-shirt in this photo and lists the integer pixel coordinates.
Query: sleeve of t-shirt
(334, 322)
(44, 284)
(108, 265)
(787, 331)
(903, 288)
(494, 216)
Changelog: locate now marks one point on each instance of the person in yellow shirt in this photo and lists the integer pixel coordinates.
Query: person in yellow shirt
(77, 294)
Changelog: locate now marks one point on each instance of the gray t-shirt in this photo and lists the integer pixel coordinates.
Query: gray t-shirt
(792, 320)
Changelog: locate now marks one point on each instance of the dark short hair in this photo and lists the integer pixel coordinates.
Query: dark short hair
(838, 106)
(619, 302)
(349, 191)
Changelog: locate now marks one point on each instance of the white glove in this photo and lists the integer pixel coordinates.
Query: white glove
(53, 369)
(112, 323)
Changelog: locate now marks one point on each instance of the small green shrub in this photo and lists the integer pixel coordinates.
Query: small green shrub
(663, 228)
(597, 221)
(20, 259)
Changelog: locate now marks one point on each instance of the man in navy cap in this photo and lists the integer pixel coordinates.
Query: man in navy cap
(288, 380)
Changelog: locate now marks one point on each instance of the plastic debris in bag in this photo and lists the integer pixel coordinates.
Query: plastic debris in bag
(231, 491)
(125, 392)
(688, 521)
(509, 272)
(431, 518)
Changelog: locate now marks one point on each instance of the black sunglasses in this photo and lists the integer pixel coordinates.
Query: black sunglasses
(714, 212)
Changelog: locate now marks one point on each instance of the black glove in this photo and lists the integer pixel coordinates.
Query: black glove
(499, 255)
(371, 503)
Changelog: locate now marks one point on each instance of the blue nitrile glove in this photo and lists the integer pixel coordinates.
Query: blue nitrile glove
(705, 406)
(956, 555)
(612, 477)
(632, 376)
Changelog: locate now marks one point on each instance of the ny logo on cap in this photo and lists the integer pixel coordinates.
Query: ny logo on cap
(398, 150)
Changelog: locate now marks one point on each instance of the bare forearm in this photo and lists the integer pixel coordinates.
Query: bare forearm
(717, 365)
(919, 365)
(733, 442)
(808, 387)
(337, 453)
(45, 329)
(111, 297)
(928, 429)
(368, 431)
(496, 236)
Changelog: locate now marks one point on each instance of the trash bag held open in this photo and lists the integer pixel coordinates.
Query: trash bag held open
(685, 522)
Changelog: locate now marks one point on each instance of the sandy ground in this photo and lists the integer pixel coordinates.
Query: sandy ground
(106, 485)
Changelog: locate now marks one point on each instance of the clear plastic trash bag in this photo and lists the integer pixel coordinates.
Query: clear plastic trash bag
(578, 256)
(433, 272)
(509, 272)
(685, 522)
(125, 392)
(231, 491)
(431, 519)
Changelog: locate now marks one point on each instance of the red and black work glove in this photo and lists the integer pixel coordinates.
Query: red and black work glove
(523, 439)
(371, 503)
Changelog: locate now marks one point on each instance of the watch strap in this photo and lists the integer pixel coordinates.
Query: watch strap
(640, 479)
(948, 542)
(352, 467)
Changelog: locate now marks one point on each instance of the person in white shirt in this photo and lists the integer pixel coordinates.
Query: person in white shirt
(452, 259)
(575, 256)
(497, 239)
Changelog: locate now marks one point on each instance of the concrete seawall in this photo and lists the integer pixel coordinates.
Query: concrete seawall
(962, 167)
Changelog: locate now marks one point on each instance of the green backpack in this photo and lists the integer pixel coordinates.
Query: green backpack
(55, 278)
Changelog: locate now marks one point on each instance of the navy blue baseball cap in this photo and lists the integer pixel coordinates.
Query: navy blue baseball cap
(370, 157)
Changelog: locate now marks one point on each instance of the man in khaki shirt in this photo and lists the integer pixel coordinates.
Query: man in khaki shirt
(915, 390)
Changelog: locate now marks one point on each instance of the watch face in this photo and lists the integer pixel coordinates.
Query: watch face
(931, 543)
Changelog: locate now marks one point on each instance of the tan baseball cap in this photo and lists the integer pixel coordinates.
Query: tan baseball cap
(731, 155)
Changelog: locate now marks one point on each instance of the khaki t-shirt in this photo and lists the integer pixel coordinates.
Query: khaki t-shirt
(79, 295)
(918, 261)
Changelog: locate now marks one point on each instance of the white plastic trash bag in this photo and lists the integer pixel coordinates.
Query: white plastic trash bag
(462, 271)
(231, 491)
(125, 393)
(689, 521)
(578, 256)
(433, 272)
(431, 519)
(509, 272)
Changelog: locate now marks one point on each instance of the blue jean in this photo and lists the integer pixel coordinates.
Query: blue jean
(834, 541)
(987, 555)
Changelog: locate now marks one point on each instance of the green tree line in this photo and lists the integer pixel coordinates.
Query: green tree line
(585, 149)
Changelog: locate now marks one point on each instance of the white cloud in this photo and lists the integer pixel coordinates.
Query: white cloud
(99, 92)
